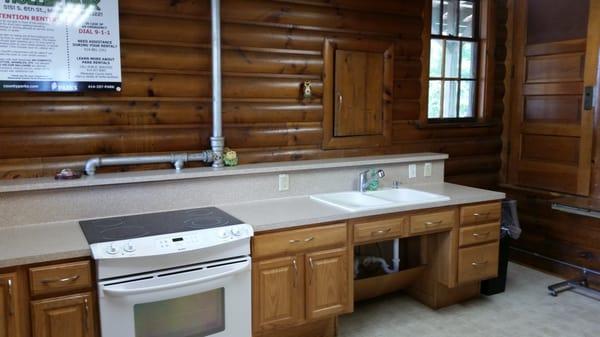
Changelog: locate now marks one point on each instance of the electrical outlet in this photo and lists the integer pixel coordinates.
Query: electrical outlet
(412, 171)
(284, 182)
(428, 170)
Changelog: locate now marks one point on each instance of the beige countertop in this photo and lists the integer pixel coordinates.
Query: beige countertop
(54, 241)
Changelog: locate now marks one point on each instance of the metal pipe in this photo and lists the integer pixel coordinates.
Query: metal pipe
(217, 141)
(177, 159)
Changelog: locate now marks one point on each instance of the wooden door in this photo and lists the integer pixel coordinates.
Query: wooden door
(358, 93)
(327, 283)
(8, 305)
(71, 316)
(278, 293)
(551, 131)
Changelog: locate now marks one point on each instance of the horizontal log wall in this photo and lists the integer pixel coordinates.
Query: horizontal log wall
(269, 49)
(549, 236)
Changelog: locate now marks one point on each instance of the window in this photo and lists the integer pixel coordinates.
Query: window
(453, 64)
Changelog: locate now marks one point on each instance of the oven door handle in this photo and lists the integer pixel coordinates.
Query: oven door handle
(120, 291)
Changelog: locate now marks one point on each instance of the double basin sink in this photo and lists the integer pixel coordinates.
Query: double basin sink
(359, 201)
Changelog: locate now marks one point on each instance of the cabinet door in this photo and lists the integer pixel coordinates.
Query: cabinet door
(358, 87)
(327, 283)
(278, 293)
(359, 93)
(9, 306)
(71, 316)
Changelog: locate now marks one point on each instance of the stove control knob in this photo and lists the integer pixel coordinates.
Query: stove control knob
(223, 234)
(129, 247)
(112, 250)
(236, 231)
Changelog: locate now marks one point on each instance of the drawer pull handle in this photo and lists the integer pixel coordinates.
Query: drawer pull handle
(381, 232)
(481, 214)
(479, 264)
(309, 239)
(294, 241)
(295, 271)
(11, 310)
(62, 280)
(86, 314)
(312, 268)
(481, 235)
(431, 223)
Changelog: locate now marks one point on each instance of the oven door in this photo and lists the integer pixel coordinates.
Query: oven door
(211, 299)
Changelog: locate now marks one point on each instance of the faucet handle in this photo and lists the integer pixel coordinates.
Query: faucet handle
(396, 184)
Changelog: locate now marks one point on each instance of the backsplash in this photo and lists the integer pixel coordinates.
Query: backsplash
(35, 207)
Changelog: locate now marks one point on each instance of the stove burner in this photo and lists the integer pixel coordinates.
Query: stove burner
(110, 223)
(123, 232)
(205, 222)
(199, 212)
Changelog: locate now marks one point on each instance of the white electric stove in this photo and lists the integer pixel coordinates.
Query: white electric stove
(173, 274)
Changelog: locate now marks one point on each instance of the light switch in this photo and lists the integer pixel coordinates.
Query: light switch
(284, 182)
(428, 171)
(412, 171)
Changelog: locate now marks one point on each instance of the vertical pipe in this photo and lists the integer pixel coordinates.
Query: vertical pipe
(217, 141)
(396, 258)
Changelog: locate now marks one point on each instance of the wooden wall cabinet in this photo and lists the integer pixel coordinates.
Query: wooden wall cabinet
(310, 283)
(357, 94)
(10, 300)
(71, 316)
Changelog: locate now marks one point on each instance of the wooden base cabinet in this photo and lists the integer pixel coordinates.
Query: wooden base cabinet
(278, 294)
(327, 285)
(9, 306)
(310, 285)
(72, 316)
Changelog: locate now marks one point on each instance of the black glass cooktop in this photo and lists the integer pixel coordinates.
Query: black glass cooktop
(137, 226)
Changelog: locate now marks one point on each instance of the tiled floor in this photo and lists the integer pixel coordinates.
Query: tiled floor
(524, 310)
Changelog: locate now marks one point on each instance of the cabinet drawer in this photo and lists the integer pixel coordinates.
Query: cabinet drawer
(479, 234)
(378, 230)
(60, 278)
(432, 221)
(299, 240)
(480, 213)
(478, 262)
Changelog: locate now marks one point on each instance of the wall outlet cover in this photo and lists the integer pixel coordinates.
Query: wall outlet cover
(412, 171)
(284, 182)
(428, 170)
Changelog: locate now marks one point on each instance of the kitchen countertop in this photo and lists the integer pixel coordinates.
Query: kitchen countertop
(55, 241)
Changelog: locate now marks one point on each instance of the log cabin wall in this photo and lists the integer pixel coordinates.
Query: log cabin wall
(269, 49)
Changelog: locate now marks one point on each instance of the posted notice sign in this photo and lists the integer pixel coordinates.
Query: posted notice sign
(59, 45)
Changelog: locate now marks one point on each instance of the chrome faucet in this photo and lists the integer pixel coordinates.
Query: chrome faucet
(366, 178)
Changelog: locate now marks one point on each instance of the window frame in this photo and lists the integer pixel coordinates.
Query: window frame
(484, 36)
